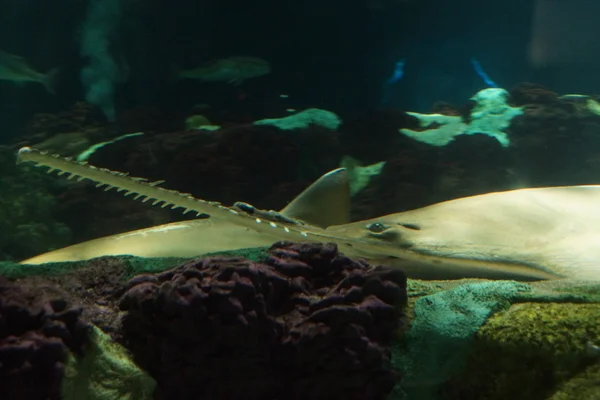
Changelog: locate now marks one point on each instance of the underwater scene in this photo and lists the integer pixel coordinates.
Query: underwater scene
(309, 199)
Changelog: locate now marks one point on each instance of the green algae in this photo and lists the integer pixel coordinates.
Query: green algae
(530, 349)
(583, 386)
(138, 265)
(132, 265)
(447, 317)
(442, 329)
(105, 372)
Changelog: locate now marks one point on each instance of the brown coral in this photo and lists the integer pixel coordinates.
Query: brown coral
(35, 337)
(527, 94)
(308, 323)
(68, 133)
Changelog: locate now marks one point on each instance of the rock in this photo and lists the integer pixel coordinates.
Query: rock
(476, 339)
(308, 323)
(533, 351)
(36, 338)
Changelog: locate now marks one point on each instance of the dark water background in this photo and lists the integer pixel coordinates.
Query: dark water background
(333, 54)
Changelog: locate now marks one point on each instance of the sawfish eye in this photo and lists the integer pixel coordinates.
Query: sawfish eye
(376, 227)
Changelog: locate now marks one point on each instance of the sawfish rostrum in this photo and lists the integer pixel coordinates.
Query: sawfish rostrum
(525, 234)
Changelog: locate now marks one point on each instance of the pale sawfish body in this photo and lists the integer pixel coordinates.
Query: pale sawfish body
(525, 234)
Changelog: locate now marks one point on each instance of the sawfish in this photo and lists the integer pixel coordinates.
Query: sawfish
(524, 234)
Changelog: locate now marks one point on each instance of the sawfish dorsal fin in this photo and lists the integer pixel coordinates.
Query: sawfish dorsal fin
(324, 203)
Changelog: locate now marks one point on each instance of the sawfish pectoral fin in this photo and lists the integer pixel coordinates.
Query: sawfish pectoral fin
(178, 239)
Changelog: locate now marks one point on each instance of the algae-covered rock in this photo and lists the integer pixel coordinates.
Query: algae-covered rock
(463, 343)
(532, 351)
(442, 331)
(583, 386)
(105, 372)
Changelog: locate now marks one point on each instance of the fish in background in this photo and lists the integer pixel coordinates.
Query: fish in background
(397, 75)
(16, 69)
(232, 70)
(485, 77)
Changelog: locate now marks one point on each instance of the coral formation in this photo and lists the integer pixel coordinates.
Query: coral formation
(308, 323)
(359, 176)
(69, 132)
(199, 122)
(80, 117)
(36, 337)
(490, 115)
(85, 155)
(530, 93)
